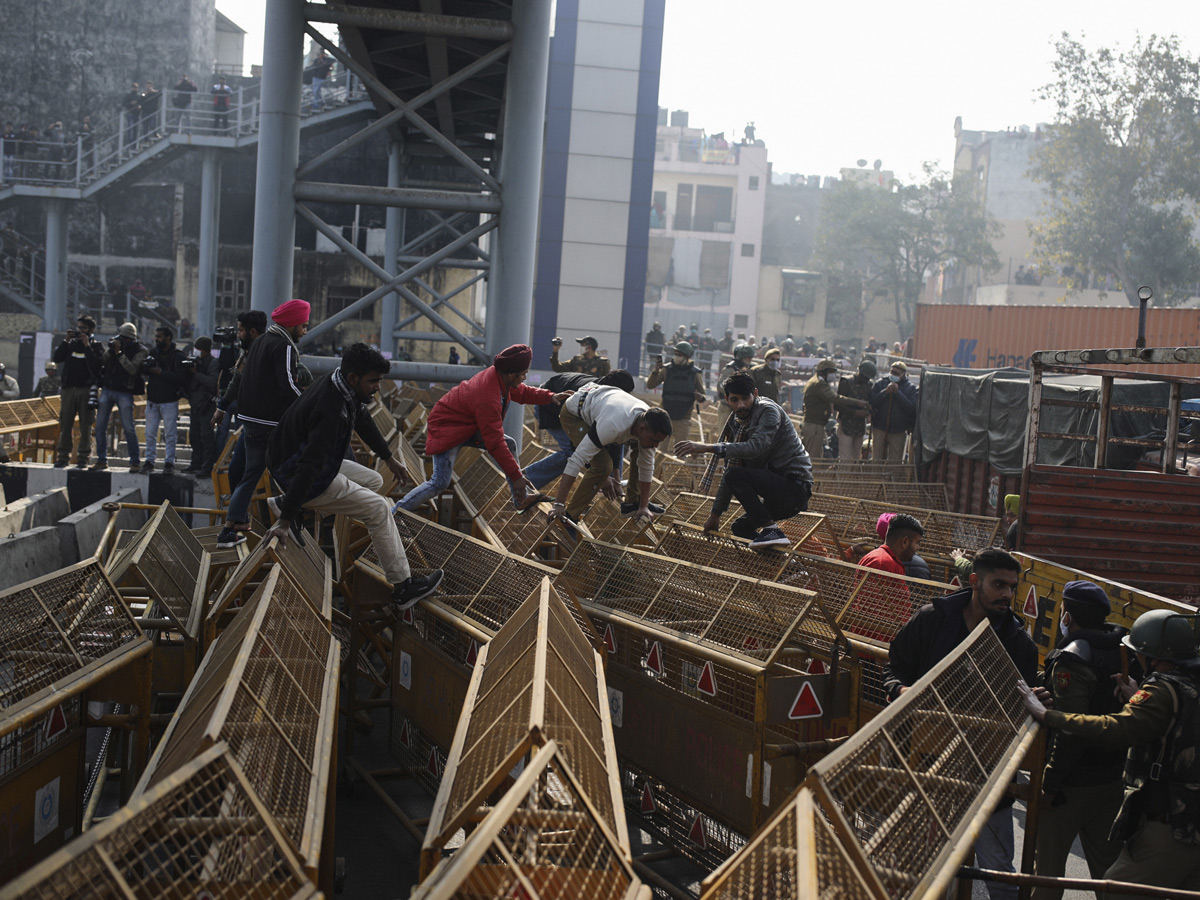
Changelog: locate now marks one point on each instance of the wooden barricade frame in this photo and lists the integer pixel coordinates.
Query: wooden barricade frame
(699, 651)
(268, 687)
(69, 638)
(207, 831)
(538, 679)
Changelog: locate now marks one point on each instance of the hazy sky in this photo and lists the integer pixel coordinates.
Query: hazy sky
(829, 83)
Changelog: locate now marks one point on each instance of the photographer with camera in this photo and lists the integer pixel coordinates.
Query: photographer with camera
(164, 387)
(201, 386)
(120, 379)
(78, 359)
(235, 344)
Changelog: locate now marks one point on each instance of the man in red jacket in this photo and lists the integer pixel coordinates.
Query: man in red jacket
(473, 414)
(904, 534)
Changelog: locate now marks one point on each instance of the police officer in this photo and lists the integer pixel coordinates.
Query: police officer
(586, 361)
(683, 388)
(1081, 788)
(742, 354)
(1159, 725)
(767, 377)
(819, 403)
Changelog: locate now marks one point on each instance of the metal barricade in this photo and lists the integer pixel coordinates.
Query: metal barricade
(713, 682)
(862, 469)
(483, 493)
(268, 687)
(164, 570)
(542, 840)
(538, 679)
(907, 796)
(67, 639)
(927, 495)
(32, 426)
(200, 832)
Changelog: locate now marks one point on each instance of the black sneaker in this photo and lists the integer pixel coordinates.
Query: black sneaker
(630, 509)
(190, 470)
(770, 537)
(229, 537)
(99, 465)
(147, 468)
(61, 463)
(169, 469)
(406, 594)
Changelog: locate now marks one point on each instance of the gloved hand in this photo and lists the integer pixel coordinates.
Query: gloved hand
(1036, 708)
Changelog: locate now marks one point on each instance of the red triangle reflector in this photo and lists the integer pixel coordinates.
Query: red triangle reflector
(816, 667)
(648, 805)
(405, 734)
(956, 582)
(610, 640)
(472, 653)
(1031, 602)
(707, 684)
(432, 765)
(56, 722)
(697, 835)
(751, 643)
(654, 660)
(806, 705)
(408, 618)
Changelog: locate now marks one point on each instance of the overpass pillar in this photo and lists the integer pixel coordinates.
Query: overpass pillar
(55, 301)
(278, 155)
(210, 212)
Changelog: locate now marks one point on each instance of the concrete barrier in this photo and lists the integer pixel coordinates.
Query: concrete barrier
(35, 511)
(29, 555)
(79, 533)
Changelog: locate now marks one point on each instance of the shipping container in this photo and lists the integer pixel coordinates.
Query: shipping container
(987, 337)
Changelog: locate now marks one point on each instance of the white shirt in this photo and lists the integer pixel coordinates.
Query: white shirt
(609, 413)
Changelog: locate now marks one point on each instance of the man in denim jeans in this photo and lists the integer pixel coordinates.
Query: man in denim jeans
(267, 388)
(165, 381)
(120, 380)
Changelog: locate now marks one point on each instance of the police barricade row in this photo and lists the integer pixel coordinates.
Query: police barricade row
(713, 679)
(32, 426)
(162, 573)
(538, 679)
(927, 495)
(862, 469)
(907, 795)
(66, 640)
(200, 832)
(437, 642)
(854, 520)
(268, 687)
(1039, 600)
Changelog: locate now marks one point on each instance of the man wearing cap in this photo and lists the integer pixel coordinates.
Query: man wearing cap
(767, 377)
(268, 387)
(682, 388)
(852, 421)
(472, 414)
(819, 404)
(120, 380)
(1081, 787)
(893, 414)
(307, 456)
(1159, 726)
(586, 361)
(725, 344)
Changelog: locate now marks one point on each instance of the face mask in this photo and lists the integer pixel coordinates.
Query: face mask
(893, 378)
(1062, 625)
(773, 365)
(680, 360)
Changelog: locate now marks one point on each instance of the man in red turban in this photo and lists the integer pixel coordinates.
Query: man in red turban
(472, 413)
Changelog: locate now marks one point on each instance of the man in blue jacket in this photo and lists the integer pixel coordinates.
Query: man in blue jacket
(893, 414)
(307, 453)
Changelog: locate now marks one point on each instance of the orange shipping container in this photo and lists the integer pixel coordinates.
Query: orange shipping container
(989, 337)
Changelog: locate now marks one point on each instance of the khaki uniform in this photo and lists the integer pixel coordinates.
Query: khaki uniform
(819, 403)
(1161, 808)
(730, 369)
(768, 380)
(597, 365)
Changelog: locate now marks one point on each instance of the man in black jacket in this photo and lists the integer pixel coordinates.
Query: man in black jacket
(306, 457)
(163, 387)
(78, 359)
(120, 380)
(268, 387)
(201, 389)
(933, 633)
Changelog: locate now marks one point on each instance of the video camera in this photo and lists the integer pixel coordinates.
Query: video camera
(226, 334)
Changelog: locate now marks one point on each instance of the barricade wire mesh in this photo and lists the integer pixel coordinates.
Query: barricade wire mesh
(679, 475)
(910, 783)
(862, 469)
(201, 833)
(503, 719)
(263, 688)
(165, 558)
(20, 745)
(542, 841)
(855, 519)
(52, 627)
(721, 551)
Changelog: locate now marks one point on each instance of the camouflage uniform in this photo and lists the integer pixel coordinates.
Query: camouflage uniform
(1160, 813)
(597, 365)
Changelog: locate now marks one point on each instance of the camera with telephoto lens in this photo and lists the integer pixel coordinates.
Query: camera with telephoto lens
(149, 363)
(187, 364)
(226, 334)
(94, 397)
